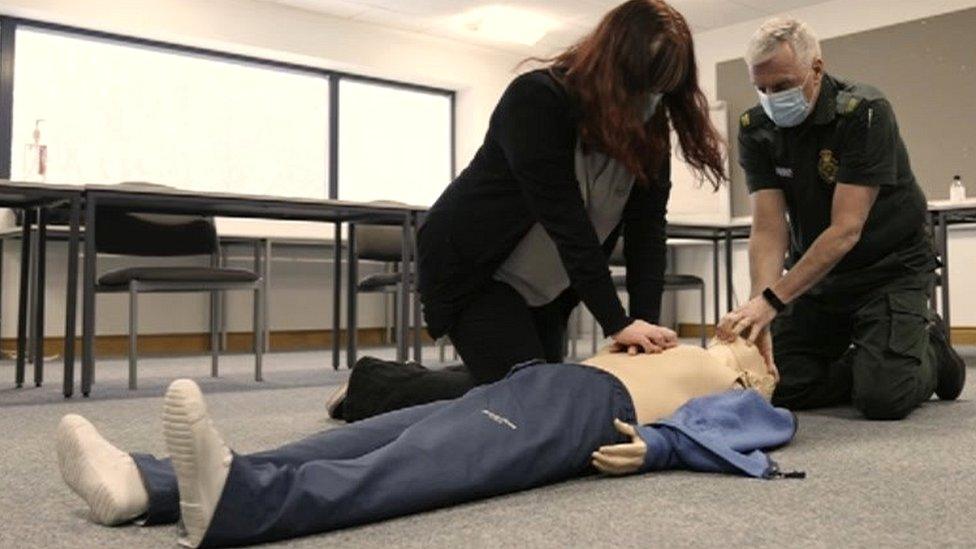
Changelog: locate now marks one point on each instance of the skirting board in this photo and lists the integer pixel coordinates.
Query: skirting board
(961, 335)
(188, 344)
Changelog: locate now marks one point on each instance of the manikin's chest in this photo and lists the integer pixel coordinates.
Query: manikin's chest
(660, 384)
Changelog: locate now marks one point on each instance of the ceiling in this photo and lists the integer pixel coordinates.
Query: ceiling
(574, 17)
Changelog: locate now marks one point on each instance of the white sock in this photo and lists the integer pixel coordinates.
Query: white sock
(104, 476)
(200, 458)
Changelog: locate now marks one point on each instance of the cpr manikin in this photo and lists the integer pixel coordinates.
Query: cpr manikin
(542, 423)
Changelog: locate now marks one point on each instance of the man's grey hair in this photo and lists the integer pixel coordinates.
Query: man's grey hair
(774, 32)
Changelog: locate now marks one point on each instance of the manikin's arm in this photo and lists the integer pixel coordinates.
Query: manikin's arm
(724, 433)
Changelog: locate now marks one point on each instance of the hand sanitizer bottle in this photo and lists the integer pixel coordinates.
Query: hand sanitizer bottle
(35, 157)
(957, 191)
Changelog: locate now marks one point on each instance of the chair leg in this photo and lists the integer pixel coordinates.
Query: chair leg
(701, 300)
(214, 332)
(258, 331)
(387, 313)
(133, 333)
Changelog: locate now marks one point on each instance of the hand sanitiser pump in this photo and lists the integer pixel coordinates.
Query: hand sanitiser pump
(35, 156)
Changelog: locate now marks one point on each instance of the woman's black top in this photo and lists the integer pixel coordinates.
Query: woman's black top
(524, 173)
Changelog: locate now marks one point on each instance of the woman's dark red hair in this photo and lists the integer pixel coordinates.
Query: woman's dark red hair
(641, 46)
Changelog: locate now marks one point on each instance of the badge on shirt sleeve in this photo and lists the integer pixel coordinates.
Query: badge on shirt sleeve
(828, 167)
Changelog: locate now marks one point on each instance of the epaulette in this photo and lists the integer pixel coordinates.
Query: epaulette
(847, 102)
(753, 118)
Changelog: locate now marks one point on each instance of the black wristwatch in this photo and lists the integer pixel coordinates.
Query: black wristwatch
(770, 296)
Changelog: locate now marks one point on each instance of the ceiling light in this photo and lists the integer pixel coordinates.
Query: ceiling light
(507, 24)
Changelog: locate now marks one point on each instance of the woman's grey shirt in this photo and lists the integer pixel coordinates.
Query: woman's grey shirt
(534, 268)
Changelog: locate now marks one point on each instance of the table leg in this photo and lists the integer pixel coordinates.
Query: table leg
(22, 297)
(71, 299)
(267, 295)
(39, 294)
(88, 300)
(1, 279)
(258, 322)
(32, 286)
(222, 297)
(352, 312)
(336, 294)
(413, 280)
(403, 290)
(716, 292)
(215, 317)
(944, 242)
(729, 287)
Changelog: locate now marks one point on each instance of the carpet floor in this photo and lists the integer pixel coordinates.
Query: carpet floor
(869, 484)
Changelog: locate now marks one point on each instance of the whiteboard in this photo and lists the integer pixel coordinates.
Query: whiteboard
(694, 201)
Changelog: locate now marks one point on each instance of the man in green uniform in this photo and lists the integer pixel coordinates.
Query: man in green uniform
(852, 323)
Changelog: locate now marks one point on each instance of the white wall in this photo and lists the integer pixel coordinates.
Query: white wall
(829, 19)
(478, 74)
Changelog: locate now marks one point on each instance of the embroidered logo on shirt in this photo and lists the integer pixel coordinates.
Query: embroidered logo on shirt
(499, 419)
(784, 172)
(828, 166)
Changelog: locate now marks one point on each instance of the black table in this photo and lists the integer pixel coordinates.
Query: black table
(36, 200)
(943, 214)
(154, 200)
(716, 233)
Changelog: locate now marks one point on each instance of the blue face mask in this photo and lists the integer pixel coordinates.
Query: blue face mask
(652, 104)
(788, 108)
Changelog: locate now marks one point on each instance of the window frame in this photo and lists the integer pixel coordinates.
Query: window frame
(8, 52)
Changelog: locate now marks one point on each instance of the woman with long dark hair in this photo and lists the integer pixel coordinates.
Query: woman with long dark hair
(576, 153)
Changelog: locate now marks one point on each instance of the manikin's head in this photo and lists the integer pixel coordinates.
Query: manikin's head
(745, 359)
(786, 68)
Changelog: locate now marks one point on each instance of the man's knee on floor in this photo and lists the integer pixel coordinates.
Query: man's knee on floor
(883, 404)
(888, 385)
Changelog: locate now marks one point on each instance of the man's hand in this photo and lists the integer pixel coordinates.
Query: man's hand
(643, 336)
(755, 316)
(621, 459)
(765, 344)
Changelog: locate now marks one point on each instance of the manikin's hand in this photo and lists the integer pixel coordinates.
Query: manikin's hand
(621, 459)
(643, 336)
(753, 319)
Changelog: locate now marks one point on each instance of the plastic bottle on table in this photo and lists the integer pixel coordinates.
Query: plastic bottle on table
(957, 191)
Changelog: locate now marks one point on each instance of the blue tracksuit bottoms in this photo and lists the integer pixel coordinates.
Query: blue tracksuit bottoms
(536, 426)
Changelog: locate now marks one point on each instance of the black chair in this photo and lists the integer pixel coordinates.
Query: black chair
(382, 244)
(153, 235)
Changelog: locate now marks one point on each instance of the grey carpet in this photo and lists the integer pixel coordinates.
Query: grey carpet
(900, 484)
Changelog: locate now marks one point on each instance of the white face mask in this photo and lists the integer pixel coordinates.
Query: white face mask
(652, 104)
(788, 108)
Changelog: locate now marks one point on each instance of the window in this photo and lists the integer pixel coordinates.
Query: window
(394, 143)
(115, 111)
